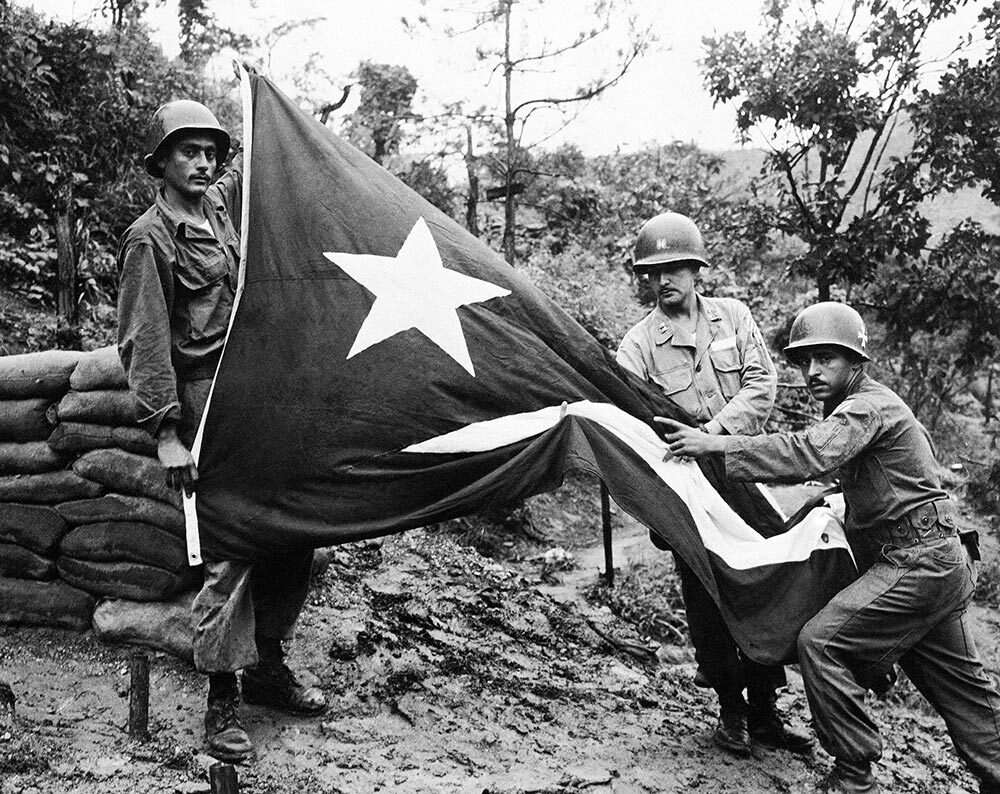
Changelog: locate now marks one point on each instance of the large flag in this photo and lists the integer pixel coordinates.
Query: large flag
(385, 370)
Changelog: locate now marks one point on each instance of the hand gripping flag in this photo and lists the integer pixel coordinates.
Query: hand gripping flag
(385, 370)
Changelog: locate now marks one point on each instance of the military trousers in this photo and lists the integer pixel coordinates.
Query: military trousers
(727, 668)
(240, 599)
(908, 608)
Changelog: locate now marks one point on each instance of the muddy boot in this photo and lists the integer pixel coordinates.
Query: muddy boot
(271, 683)
(847, 778)
(731, 733)
(767, 725)
(225, 737)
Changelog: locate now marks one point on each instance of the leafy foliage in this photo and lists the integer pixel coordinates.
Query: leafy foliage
(202, 35)
(74, 105)
(377, 126)
(829, 90)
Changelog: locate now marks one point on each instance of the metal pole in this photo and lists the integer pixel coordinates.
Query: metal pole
(138, 696)
(609, 565)
(223, 779)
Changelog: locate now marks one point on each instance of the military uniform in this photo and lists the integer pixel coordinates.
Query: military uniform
(909, 604)
(722, 375)
(176, 292)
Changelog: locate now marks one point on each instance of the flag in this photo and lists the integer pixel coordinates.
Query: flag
(384, 370)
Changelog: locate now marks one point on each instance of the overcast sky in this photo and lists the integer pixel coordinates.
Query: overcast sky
(661, 99)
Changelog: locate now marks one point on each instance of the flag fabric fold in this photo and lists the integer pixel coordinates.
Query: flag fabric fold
(385, 370)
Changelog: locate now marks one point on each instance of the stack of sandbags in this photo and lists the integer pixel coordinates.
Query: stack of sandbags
(32, 478)
(128, 543)
(85, 510)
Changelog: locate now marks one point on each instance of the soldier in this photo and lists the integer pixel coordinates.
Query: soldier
(708, 356)
(917, 576)
(178, 272)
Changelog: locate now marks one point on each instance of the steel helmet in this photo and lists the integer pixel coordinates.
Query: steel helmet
(181, 115)
(828, 323)
(668, 237)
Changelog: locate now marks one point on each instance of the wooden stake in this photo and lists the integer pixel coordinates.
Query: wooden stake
(223, 779)
(609, 564)
(138, 696)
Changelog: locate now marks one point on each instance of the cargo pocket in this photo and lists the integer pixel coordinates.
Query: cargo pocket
(205, 296)
(726, 364)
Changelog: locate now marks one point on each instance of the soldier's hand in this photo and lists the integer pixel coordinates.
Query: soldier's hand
(182, 473)
(689, 442)
(246, 65)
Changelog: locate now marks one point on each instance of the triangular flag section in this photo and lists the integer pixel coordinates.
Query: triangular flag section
(385, 370)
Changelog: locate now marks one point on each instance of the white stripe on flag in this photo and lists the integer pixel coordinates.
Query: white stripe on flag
(722, 531)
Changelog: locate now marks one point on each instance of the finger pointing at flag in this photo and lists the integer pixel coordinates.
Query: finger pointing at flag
(689, 442)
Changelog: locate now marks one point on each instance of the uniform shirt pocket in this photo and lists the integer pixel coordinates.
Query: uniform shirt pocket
(204, 298)
(728, 367)
(674, 380)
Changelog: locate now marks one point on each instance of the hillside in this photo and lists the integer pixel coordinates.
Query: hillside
(944, 212)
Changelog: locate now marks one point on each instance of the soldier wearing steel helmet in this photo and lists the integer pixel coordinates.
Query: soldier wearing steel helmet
(178, 274)
(917, 573)
(708, 356)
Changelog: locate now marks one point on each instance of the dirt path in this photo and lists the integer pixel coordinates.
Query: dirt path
(454, 674)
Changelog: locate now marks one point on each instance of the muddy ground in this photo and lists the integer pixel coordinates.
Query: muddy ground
(446, 672)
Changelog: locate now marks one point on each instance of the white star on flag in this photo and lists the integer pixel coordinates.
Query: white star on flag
(415, 290)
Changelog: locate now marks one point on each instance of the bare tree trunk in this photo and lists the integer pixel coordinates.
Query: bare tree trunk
(510, 211)
(68, 332)
(823, 286)
(472, 200)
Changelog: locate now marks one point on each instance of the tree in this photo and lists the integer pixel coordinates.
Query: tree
(377, 126)
(201, 35)
(830, 91)
(73, 113)
(510, 50)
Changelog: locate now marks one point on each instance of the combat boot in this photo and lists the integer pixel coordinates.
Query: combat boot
(271, 683)
(848, 779)
(767, 725)
(731, 733)
(225, 737)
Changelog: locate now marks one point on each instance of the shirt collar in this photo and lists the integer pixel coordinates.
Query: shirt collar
(853, 387)
(177, 226)
(664, 329)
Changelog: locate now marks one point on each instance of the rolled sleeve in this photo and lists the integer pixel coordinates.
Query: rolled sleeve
(748, 410)
(144, 298)
(795, 457)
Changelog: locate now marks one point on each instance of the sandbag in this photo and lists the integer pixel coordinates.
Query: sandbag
(125, 472)
(50, 487)
(163, 625)
(131, 580)
(18, 562)
(34, 527)
(44, 374)
(30, 603)
(119, 507)
(99, 369)
(76, 438)
(24, 420)
(28, 457)
(126, 541)
(105, 407)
